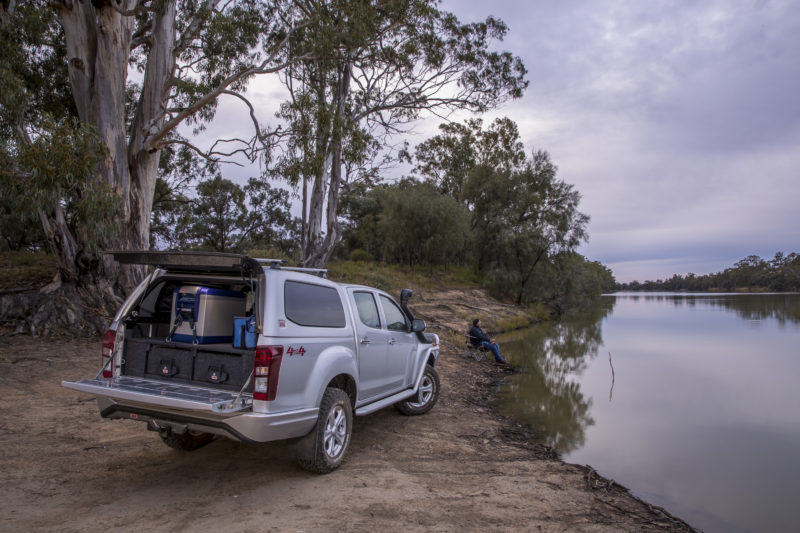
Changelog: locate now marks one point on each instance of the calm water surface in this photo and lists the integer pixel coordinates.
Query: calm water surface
(701, 413)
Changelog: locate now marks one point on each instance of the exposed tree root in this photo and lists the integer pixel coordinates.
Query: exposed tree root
(60, 307)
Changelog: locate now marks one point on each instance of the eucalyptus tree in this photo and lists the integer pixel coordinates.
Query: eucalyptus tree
(448, 158)
(420, 226)
(186, 54)
(222, 216)
(522, 214)
(374, 68)
(522, 219)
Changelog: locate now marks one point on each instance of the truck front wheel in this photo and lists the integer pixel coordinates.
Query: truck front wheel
(426, 397)
(324, 448)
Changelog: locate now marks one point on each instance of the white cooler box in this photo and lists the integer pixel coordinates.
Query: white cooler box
(204, 315)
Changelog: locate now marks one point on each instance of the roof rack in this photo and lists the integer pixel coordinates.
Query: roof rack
(273, 263)
(278, 264)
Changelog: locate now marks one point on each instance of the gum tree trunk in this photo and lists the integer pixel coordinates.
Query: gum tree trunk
(323, 229)
(98, 39)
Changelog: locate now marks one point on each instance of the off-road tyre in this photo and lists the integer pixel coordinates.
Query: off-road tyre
(323, 450)
(427, 395)
(188, 441)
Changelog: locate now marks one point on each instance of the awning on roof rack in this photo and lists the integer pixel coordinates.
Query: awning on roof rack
(196, 262)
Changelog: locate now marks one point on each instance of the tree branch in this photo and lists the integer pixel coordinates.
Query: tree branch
(209, 155)
(209, 97)
(262, 137)
(194, 27)
(143, 35)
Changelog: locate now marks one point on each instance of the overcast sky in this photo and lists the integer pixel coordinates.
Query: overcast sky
(678, 121)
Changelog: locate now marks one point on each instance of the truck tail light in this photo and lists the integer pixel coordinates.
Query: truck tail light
(267, 368)
(107, 352)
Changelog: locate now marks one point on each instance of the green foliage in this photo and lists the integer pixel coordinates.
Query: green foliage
(361, 211)
(504, 219)
(269, 221)
(233, 38)
(45, 154)
(57, 170)
(371, 68)
(781, 273)
(190, 51)
(410, 223)
(569, 281)
(420, 226)
(360, 255)
(225, 217)
(525, 221)
(448, 159)
(217, 219)
(522, 215)
(33, 70)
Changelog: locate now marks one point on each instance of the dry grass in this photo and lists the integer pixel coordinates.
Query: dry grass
(26, 270)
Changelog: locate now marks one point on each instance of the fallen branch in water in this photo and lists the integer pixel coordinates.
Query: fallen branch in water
(611, 392)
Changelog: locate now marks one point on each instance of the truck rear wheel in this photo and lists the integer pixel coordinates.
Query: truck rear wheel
(426, 397)
(324, 448)
(188, 441)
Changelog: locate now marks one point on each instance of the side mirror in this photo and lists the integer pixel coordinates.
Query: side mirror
(418, 325)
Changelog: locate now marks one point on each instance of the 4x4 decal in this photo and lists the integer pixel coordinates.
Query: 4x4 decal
(291, 350)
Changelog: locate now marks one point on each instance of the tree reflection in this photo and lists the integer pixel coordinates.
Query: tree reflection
(546, 394)
(784, 308)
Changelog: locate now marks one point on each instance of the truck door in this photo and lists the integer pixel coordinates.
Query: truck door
(402, 343)
(373, 346)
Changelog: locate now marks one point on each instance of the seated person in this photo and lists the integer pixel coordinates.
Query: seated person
(478, 338)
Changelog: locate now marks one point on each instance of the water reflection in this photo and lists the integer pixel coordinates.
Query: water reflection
(704, 418)
(545, 395)
(782, 307)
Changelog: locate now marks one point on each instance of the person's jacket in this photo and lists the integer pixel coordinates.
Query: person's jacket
(477, 336)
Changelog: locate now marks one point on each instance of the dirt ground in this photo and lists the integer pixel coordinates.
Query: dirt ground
(460, 467)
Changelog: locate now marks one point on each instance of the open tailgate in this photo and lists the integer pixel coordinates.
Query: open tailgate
(160, 394)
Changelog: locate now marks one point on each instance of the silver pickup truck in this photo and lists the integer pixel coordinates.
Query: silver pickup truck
(226, 345)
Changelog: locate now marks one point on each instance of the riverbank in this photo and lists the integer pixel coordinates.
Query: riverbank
(460, 467)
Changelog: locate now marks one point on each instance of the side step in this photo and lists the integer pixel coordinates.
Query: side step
(386, 402)
(159, 393)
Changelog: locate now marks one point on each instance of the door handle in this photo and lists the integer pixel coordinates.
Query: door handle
(365, 340)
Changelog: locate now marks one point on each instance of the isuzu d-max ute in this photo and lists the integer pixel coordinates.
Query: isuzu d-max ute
(226, 345)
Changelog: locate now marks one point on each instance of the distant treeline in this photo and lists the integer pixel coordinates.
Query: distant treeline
(781, 273)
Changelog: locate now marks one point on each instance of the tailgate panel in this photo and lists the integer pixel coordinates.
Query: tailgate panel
(159, 393)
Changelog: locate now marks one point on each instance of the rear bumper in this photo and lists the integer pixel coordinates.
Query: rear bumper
(183, 407)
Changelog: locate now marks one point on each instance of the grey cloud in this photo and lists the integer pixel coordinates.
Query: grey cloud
(677, 121)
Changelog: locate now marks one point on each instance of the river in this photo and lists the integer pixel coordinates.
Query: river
(689, 400)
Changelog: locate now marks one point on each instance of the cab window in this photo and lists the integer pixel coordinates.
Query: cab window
(367, 309)
(395, 319)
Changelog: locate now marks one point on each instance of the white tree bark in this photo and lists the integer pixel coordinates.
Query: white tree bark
(98, 45)
(324, 230)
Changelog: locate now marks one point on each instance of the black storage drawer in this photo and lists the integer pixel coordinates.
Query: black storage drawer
(217, 365)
